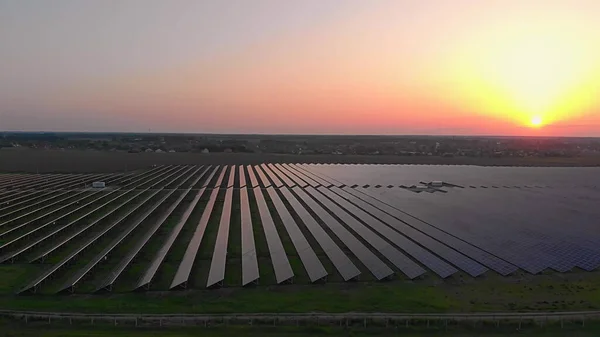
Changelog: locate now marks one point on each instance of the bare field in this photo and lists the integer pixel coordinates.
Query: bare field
(48, 161)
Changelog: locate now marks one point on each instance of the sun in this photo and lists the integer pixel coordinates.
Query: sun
(532, 78)
(536, 121)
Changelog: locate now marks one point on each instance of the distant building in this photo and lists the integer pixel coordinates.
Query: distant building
(205, 150)
(227, 150)
(159, 151)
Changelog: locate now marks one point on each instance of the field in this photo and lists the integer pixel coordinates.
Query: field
(73, 161)
(300, 238)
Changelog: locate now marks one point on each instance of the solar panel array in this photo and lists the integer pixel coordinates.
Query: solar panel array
(209, 226)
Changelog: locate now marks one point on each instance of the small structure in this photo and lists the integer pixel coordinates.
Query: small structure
(418, 188)
(437, 183)
(98, 184)
(205, 150)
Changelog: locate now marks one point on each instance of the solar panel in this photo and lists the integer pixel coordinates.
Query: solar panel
(242, 176)
(342, 263)
(500, 266)
(301, 175)
(185, 267)
(560, 249)
(219, 181)
(313, 266)
(29, 181)
(81, 181)
(379, 269)
(443, 213)
(422, 255)
(162, 252)
(307, 172)
(49, 272)
(335, 174)
(291, 174)
(546, 219)
(216, 273)
(53, 221)
(438, 266)
(11, 209)
(27, 197)
(137, 247)
(53, 180)
(70, 284)
(11, 196)
(253, 181)
(263, 178)
(31, 244)
(210, 176)
(49, 212)
(250, 272)
(287, 181)
(131, 182)
(400, 260)
(17, 179)
(47, 252)
(231, 181)
(281, 264)
(276, 181)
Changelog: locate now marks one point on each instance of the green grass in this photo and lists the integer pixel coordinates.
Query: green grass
(306, 298)
(491, 293)
(16, 275)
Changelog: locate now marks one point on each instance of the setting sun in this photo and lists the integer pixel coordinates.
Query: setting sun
(529, 76)
(536, 121)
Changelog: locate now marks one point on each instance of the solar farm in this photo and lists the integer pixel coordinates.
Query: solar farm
(174, 227)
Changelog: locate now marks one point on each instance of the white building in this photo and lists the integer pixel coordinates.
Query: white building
(98, 184)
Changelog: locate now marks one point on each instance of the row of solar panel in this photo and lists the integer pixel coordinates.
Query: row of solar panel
(281, 265)
(532, 230)
(375, 227)
(458, 174)
(279, 175)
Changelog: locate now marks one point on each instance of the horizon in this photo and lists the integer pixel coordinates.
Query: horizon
(294, 134)
(389, 68)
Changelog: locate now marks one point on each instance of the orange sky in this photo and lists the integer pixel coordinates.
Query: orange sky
(341, 67)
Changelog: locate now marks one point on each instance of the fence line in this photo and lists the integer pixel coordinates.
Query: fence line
(340, 319)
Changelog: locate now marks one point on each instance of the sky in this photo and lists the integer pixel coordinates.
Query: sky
(464, 67)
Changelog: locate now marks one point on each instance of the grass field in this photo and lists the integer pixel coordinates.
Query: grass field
(549, 292)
